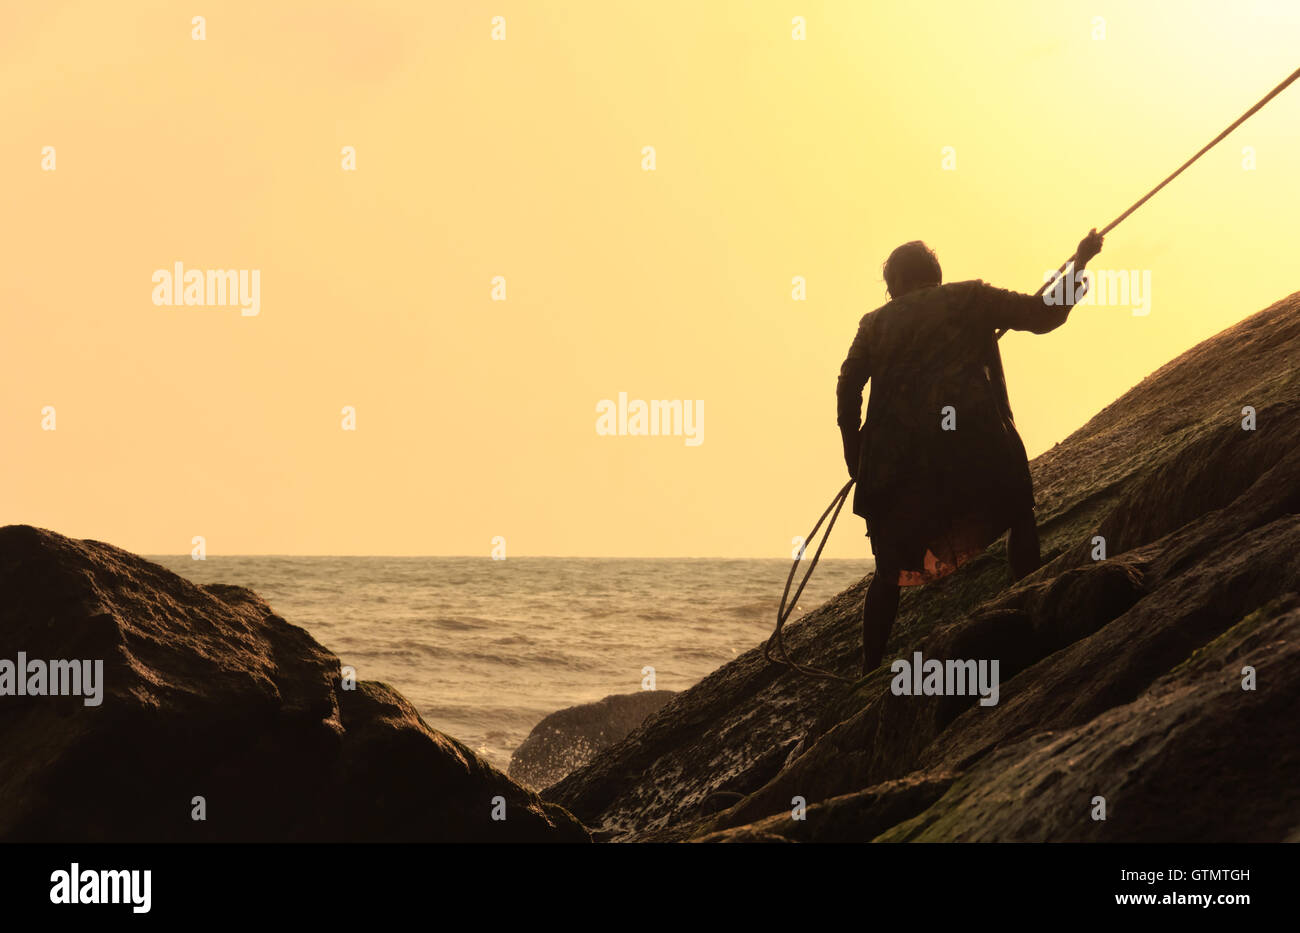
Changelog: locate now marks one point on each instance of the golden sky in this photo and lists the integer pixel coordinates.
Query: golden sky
(523, 158)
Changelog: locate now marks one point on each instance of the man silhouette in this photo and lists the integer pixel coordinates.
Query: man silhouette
(941, 471)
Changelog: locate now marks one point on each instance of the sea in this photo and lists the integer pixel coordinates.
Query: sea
(486, 648)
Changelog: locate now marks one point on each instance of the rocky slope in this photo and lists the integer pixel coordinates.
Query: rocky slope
(207, 693)
(1121, 678)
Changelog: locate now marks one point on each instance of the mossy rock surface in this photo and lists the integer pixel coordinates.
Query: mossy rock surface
(1202, 545)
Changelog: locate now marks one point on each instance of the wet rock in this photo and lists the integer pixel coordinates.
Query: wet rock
(569, 738)
(1105, 687)
(207, 693)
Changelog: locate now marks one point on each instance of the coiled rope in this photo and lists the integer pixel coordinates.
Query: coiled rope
(784, 611)
(787, 607)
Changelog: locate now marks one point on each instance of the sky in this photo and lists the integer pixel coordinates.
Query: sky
(499, 256)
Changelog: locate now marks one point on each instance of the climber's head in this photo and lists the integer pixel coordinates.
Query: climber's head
(911, 266)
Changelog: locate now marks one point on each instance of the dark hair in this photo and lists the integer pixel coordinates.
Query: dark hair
(912, 265)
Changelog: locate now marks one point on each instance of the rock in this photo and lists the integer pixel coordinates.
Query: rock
(569, 738)
(848, 818)
(207, 693)
(1120, 677)
(1195, 757)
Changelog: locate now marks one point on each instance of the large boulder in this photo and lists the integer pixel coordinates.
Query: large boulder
(208, 693)
(1121, 673)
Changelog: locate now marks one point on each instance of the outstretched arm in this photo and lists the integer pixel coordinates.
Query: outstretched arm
(1033, 313)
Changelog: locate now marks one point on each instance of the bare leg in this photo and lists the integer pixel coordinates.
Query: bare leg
(1022, 546)
(878, 611)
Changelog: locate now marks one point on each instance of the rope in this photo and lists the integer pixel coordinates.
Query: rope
(785, 610)
(1150, 194)
(775, 641)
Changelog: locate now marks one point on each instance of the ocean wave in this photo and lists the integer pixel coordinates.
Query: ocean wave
(481, 646)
